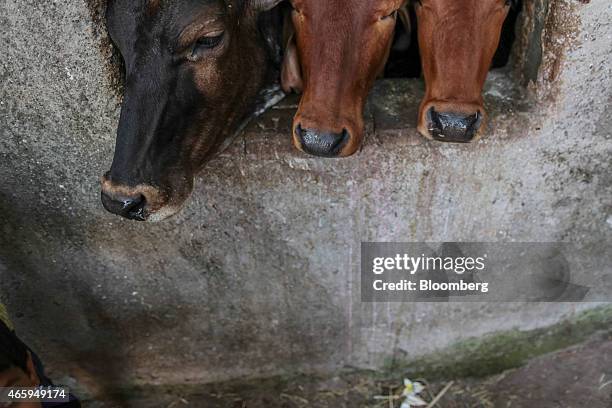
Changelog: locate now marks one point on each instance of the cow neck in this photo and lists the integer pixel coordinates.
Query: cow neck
(270, 27)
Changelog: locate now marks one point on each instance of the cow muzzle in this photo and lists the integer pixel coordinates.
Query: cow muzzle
(318, 135)
(451, 121)
(453, 127)
(140, 203)
(132, 208)
(320, 143)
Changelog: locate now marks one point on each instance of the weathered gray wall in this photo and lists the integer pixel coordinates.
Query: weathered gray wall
(259, 273)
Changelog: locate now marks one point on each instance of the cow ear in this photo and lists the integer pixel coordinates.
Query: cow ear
(291, 72)
(263, 5)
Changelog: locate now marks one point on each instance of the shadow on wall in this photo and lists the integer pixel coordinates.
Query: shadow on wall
(57, 311)
(64, 283)
(63, 309)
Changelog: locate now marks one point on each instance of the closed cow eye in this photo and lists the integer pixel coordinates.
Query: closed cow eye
(210, 42)
(205, 44)
(392, 15)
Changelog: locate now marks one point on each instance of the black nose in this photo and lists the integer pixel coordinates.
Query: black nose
(453, 127)
(324, 144)
(132, 208)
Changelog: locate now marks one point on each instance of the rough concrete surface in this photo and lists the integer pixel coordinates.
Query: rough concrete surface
(259, 274)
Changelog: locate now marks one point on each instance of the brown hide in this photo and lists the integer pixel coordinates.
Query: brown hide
(457, 40)
(340, 48)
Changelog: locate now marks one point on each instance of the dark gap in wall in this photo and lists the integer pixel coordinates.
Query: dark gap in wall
(532, 58)
(405, 59)
(508, 35)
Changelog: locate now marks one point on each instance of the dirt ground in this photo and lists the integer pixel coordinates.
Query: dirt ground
(576, 377)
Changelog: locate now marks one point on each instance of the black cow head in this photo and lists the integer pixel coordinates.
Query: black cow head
(196, 71)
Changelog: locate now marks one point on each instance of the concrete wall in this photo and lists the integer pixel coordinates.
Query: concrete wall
(259, 274)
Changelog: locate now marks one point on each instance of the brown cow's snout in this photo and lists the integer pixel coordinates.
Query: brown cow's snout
(321, 143)
(325, 135)
(453, 126)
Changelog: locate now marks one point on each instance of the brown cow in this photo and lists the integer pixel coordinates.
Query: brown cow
(340, 47)
(457, 40)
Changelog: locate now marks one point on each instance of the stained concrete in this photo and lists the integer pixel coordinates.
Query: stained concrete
(259, 274)
(577, 376)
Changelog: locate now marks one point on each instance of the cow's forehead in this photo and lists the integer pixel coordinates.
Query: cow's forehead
(180, 14)
(185, 8)
(131, 21)
(350, 5)
(147, 12)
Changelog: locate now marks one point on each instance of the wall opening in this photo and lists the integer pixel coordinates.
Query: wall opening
(404, 59)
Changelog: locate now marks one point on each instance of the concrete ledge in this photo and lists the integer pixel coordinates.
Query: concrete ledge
(391, 116)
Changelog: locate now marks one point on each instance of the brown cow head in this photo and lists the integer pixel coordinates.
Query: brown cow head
(196, 70)
(341, 45)
(457, 40)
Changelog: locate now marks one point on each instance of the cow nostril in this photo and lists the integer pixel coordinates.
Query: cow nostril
(433, 120)
(453, 127)
(345, 134)
(132, 208)
(323, 144)
(298, 130)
